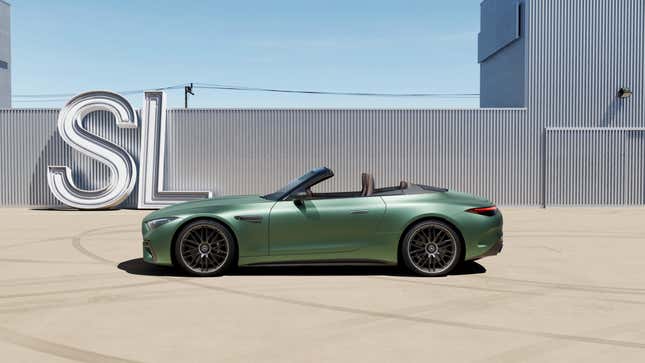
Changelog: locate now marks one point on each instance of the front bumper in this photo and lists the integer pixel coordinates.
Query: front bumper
(149, 254)
(157, 243)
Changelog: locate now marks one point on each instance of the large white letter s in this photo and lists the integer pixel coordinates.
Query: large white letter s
(123, 170)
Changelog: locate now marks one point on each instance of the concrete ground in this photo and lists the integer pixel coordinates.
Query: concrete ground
(569, 286)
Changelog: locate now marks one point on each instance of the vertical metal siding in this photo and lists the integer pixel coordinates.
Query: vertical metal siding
(580, 52)
(250, 151)
(29, 142)
(595, 166)
(494, 153)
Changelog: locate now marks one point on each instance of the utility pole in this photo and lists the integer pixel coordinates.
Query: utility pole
(187, 90)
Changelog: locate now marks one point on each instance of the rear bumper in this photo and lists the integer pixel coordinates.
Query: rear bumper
(495, 249)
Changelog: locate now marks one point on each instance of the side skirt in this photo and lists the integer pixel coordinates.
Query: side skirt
(332, 262)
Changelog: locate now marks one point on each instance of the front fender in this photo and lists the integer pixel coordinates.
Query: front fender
(251, 235)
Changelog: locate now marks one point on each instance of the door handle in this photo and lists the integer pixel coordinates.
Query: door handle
(360, 211)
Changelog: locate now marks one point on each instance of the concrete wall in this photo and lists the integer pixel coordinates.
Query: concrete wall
(5, 55)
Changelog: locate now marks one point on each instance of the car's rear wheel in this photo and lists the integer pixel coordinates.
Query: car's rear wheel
(204, 248)
(431, 248)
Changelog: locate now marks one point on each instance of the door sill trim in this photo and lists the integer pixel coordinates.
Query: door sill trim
(331, 262)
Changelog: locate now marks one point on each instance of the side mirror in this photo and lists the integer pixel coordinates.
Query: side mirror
(299, 197)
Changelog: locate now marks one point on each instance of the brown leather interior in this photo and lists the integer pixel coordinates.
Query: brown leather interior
(367, 182)
(403, 185)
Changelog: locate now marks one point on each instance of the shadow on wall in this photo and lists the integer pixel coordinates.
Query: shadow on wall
(614, 108)
(87, 173)
(139, 267)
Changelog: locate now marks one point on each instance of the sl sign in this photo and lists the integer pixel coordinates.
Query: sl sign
(123, 169)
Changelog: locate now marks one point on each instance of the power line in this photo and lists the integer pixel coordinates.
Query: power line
(335, 93)
(65, 96)
(224, 87)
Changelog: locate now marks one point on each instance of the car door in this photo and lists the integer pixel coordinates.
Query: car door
(318, 226)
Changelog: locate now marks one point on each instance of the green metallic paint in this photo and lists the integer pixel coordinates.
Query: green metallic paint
(352, 229)
(324, 226)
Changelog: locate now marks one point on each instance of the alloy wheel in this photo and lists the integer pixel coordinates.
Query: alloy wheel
(204, 248)
(432, 248)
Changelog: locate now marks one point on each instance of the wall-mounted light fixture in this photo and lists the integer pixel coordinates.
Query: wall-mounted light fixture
(624, 92)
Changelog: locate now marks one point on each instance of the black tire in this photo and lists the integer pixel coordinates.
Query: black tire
(431, 248)
(205, 248)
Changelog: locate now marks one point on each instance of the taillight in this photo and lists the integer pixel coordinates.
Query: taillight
(484, 211)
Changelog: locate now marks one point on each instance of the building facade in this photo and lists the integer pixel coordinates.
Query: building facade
(5, 55)
(553, 128)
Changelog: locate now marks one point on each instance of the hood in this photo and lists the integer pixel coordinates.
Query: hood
(206, 205)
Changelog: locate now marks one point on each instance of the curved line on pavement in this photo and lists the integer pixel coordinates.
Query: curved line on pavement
(24, 260)
(56, 349)
(85, 289)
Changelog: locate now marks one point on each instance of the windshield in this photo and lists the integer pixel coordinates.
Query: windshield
(295, 183)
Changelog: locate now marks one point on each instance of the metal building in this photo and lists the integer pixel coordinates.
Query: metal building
(5, 54)
(554, 127)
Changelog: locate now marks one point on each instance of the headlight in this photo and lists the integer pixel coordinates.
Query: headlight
(154, 223)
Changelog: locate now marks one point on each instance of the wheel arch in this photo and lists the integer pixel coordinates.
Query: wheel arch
(219, 220)
(424, 218)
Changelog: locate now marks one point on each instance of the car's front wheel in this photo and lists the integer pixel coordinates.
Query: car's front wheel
(431, 248)
(204, 248)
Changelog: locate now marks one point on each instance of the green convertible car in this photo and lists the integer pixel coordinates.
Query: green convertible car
(430, 230)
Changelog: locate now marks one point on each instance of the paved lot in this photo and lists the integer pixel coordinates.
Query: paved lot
(569, 286)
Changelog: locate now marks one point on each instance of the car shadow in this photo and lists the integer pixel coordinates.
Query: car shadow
(138, 267)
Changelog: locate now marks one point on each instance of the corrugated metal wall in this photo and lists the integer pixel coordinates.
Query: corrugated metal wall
(254, 151)
(247, 151)
(595, 166)
(493, 153)
(578, 54)
(29, 142)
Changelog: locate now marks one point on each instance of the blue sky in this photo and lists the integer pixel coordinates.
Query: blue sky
(69, 46)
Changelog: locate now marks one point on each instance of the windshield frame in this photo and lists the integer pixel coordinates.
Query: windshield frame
(307, 180)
